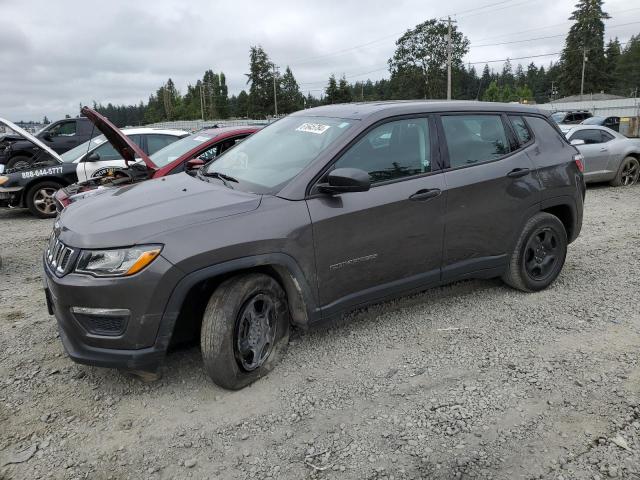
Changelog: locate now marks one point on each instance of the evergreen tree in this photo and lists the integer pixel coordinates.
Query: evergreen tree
(612, 55)
(332, 93)
(260, 80)
(344, 92)
(291, 97)
(628, 70)
(485, 81)
(586, 35)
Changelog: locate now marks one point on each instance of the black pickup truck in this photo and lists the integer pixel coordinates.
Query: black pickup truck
(60, 136)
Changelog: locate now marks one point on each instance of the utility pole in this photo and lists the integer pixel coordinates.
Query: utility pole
(449, 40)
(275, 95)
(202, 101)
(584, 64)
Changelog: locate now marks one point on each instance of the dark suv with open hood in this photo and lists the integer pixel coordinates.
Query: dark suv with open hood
(323, 211)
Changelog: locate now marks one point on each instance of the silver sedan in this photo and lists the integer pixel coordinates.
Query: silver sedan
(608, 155)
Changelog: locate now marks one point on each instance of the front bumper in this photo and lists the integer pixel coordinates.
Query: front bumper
(142, 343)
(11, 196)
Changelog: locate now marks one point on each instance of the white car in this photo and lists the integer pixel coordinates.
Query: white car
(608, 155)
(97, 155)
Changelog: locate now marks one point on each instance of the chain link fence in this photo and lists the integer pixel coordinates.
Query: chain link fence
(195, 125)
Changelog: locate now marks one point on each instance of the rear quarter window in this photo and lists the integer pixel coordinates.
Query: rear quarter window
(545, 134)
(521, 129)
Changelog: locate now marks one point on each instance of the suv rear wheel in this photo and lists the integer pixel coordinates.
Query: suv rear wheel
(40, 199)
(539, 255)
(245, 330)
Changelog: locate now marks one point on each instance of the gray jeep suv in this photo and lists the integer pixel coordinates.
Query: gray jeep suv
(323, 211)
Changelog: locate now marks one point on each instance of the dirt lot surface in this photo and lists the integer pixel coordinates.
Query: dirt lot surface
(474, 380)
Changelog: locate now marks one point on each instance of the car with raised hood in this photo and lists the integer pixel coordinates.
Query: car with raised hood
(326, 210)
(34, 186)
(608, 155)
(59, 136)
(187, 154)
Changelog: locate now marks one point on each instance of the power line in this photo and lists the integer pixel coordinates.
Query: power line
(544, 38)
(356, 47)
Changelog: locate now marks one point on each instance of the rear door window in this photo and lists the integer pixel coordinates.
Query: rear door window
(521, 129)
(473, 139)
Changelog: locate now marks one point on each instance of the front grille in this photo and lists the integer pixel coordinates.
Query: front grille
(58, 256)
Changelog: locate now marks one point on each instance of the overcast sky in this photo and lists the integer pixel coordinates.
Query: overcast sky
(55, 55)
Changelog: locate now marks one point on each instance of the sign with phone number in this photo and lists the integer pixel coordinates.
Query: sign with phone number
(41, 172)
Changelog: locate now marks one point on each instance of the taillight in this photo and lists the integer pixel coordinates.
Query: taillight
(579, 159)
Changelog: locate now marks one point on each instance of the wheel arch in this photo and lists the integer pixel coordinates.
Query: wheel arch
(565, 210)
(183, 315)
(35, 181)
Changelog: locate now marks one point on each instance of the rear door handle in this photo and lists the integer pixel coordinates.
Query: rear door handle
(604, 149)
(518, 172)
(425, 194)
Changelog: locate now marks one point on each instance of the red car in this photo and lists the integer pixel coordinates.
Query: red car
(188, 153)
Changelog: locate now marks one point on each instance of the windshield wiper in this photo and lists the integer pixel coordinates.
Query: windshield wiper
(220, 176)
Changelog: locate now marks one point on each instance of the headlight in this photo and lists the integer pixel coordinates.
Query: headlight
(119, 262)
(3, 180)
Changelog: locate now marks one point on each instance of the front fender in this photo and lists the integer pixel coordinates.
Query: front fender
(301, 299)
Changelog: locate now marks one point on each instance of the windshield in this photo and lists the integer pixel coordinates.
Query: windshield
(71, 155)
(267, 160)
(176, 149)
(558, 116)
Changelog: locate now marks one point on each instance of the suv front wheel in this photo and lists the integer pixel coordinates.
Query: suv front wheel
(539, 255)
(245, 330)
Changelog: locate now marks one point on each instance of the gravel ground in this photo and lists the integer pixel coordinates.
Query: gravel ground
(473, 380)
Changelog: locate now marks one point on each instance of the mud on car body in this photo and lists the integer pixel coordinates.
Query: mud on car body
(34, 185)
(187, 154)
(323, 211)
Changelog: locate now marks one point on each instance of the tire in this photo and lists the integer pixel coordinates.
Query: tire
(39, 199)
(226, 323)
(628, 173)
(19, 161)
(539, 255)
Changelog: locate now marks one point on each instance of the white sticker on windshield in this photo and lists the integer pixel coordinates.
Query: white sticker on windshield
(343, 124)
(98, 140)
(316, 128)
(201, 139)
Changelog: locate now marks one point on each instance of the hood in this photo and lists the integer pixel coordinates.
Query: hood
(127, 149)
(23, 133)
(140, 212)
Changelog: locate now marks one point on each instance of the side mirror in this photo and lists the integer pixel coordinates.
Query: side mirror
(47, 136)
(577, 142)
(194, 164)
(93, 157)
(344, 180)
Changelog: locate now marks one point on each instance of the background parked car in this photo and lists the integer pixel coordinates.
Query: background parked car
(608, 155)
(60, 136)
(610, 122)
(570, 118)
(187, 153)
(33, 187)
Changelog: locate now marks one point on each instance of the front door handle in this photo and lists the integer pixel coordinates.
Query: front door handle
(518, 172)
(425, 194)
(604, 149)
